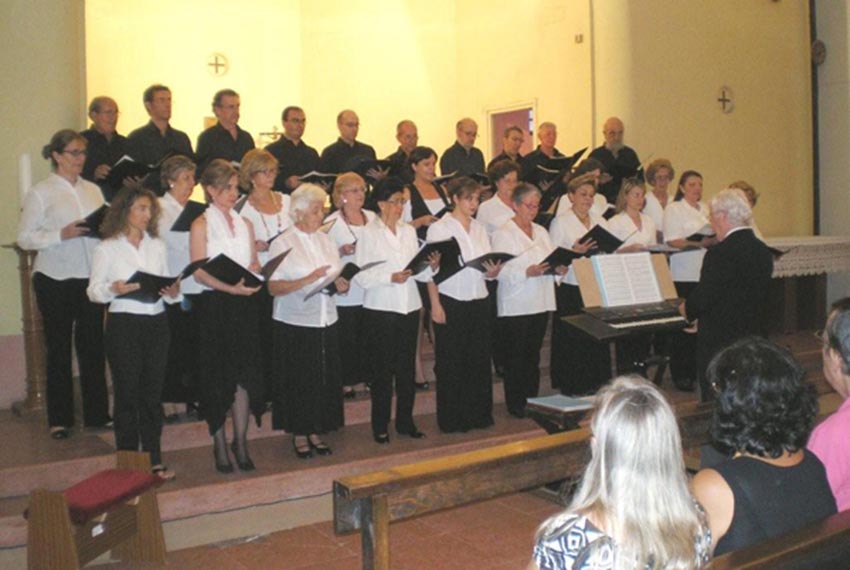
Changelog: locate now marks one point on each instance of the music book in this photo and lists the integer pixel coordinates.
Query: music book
(365, 166)
(151, 285)
(609, 212)
(190, 213)
(94, 220)
(326, 227)
(240, 203)
(272, 264)
(228, 271)
(449, 256)
(440, 180)
(560, 256)
(662, 248)
(348, 271)
(626, 279)
(124, 167)
(314, 177)
(561, 403)
(557, 166)
(495, 257)
(605, 241)
(703, 232)
(481, 178)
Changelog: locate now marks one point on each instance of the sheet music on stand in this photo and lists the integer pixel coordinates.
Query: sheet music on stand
(626, 279)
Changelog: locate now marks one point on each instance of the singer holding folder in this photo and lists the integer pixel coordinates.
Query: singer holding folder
(230, 362)
(579, 365)
(391, 307)
(525, 296)
(461, 315)
(181, 377)
(307, 394)
(50, 223)
(137, 334)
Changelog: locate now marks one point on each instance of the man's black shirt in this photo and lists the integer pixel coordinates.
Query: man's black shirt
(294, 160)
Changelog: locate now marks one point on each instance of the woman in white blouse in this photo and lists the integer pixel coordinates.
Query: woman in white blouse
(137, 334)
(181, 376)
(630, 224)
(230, 365)
(307, 394)
(683, 218)
(349, 194)
(268, 212)
(659, 175)
(461, 314)
(391, 307)
(526, 296)
(50, 222)
(579, 365)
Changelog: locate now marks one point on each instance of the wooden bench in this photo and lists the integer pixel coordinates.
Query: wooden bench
(824, 545)
(112, 510)
(370, 502)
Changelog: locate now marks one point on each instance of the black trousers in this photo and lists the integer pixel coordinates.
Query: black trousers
(181, 376)
(499, 342)
(683, 346)
(392, 351)
(353, 345)
(524, 337)
(464, 378)
(66, 311)
(137, 349)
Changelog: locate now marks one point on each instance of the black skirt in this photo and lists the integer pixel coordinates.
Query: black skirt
(308, 387)
(229, 355)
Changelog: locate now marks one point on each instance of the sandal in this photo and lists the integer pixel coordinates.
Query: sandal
(163, 472)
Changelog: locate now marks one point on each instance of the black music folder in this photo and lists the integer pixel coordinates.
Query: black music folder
(494, 258)
(364, 166)
(560, 256)
(348, 271)
(151, 284)
(125, 167)
(704, 232)
(228, 271)
(440, 180)
(606, 242)
(272, 264)
(314, 177)
(94, 220)
(556, 167)
(481, 178)
(190, 213)
(449, 251)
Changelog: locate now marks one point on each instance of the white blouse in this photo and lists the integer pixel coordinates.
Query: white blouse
(468, 283)
(625, 229)
(309, 252)
(566, 230)
(493, 213)
(117, 259)
(599, 207)
(48, 207)
(680, 221)
(517, 293)
(378, 243)
(343, 233)
(236, 245)
(176, 243)
(266, 226)
(655, 210)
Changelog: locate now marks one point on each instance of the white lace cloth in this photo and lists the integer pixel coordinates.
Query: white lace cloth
(810, 255)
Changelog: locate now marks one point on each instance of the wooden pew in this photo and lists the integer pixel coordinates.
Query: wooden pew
(370, 502)
(819, 546)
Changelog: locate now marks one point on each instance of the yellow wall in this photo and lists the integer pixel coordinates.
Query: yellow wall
(664, 84)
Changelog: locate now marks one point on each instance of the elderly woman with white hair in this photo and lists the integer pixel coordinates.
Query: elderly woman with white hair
(729, 300)
(633, 508)
(307, 394)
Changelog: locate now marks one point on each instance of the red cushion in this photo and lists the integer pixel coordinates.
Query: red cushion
(105, 490)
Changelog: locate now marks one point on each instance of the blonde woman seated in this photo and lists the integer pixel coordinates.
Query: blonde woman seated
(633, 508)
(630, 224)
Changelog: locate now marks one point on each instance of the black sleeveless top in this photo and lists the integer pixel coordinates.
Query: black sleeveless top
(771, 500)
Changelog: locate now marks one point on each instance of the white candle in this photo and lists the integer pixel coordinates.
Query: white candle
(24, 174)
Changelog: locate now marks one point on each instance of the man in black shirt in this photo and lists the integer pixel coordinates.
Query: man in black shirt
(408, 137)
(619, 160)
(347, 151)
(547, 135)
(511, 143)
(462, 157)
(105, 146)
(157, 140)
(295, 158)
(224, 139)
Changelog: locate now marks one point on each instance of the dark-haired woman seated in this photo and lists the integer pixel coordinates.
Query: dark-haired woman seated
(763, 416)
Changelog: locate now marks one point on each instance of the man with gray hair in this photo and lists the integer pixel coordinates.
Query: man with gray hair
(829, 440)
(462, 157)
(729, 301)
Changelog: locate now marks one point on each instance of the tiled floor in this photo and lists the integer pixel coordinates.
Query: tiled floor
(495, 534)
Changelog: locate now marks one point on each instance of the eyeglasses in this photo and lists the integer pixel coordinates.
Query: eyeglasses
(531, 206)
(356, 189)
(397, 201)
(75, 153)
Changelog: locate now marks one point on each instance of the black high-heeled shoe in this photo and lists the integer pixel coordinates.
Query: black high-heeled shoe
(321, 448)
(225, 468)
(302, 452)
(414, 433)
(382, 438)
(246, 465)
